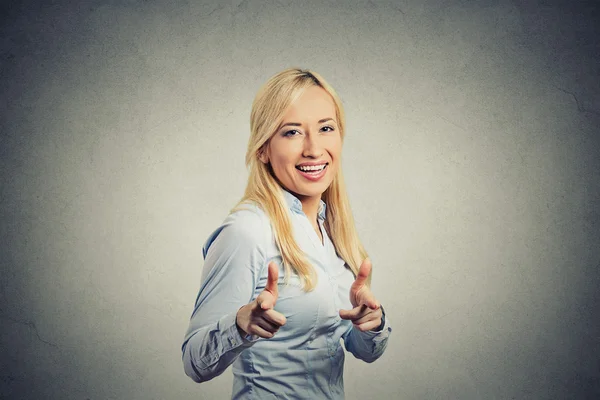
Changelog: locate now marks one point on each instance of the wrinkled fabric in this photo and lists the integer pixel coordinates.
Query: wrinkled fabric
(305, 359)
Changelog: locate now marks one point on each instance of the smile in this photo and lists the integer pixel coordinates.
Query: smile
(313, 172)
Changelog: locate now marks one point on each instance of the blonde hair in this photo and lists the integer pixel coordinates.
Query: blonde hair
(268, 108)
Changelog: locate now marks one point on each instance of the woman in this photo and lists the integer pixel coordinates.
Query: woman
(285, 276)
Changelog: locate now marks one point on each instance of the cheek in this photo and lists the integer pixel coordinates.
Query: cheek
(335, 152)
(282, 158)
(284, 151)
(335, 148)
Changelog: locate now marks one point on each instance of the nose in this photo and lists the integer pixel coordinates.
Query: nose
(312, 147)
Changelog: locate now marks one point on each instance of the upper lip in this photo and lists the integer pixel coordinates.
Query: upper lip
(312, 164)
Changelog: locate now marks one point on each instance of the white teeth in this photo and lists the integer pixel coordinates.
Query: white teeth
(312, 168)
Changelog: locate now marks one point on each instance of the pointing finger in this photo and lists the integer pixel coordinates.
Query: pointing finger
(274, 317)
(353, 314)
(265, 300)
(369, 300)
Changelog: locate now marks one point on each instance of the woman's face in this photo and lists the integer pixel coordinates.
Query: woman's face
(305, 151)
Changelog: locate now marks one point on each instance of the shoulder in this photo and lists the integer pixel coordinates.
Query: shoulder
(247, 225)
(247, 215)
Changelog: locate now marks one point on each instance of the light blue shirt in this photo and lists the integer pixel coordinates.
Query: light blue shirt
(304, 360)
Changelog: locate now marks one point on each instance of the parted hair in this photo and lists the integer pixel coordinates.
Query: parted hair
(263, 189)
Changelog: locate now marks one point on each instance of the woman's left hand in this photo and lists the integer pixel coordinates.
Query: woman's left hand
(366, 314)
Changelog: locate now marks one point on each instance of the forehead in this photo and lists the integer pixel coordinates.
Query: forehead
(313, 105)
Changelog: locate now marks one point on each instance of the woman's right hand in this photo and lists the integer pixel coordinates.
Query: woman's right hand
(259, 317)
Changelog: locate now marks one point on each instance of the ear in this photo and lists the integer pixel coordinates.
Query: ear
(262, 154)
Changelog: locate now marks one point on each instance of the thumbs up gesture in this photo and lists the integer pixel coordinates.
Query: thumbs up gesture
(366, 314)
(259, 317)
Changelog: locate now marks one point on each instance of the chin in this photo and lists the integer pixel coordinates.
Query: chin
(312, 192)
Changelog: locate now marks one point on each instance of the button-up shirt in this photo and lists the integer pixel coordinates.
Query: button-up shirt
(304, 359)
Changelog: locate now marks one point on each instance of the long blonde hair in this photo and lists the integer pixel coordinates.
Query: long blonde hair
(268, 108)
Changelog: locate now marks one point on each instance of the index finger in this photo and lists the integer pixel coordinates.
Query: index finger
(369, 300)
(354, 313)
(274, 317)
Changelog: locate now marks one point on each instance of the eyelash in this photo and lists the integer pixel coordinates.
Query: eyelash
(287, 134)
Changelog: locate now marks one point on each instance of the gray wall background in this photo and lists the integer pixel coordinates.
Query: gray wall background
(472, 160)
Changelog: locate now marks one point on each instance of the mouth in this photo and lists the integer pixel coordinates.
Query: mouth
(312, 172)
(312, 168)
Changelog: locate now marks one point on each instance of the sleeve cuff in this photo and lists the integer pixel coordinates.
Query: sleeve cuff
(231, 334)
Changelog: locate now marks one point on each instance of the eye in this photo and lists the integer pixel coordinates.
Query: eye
(327, 128)
(291, 133)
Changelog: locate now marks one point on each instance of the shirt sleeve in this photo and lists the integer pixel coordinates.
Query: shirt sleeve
(233, 258)
(370, 345)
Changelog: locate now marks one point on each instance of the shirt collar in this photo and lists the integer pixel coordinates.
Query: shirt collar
(295, 205)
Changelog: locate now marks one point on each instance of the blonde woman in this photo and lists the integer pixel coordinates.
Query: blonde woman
(285, 276)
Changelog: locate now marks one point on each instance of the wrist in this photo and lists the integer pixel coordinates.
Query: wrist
(237, 324)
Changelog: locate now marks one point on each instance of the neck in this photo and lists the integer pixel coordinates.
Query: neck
(310, 206)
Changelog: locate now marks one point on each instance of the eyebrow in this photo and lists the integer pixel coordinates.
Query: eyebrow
(299, 124)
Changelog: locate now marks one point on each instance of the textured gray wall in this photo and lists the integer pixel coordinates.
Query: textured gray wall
(472, 159)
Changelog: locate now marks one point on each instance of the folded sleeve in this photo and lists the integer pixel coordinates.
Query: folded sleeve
(369, 345)
(234, 256)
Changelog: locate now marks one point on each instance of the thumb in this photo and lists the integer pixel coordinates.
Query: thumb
(271, 287)
(363, 274)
